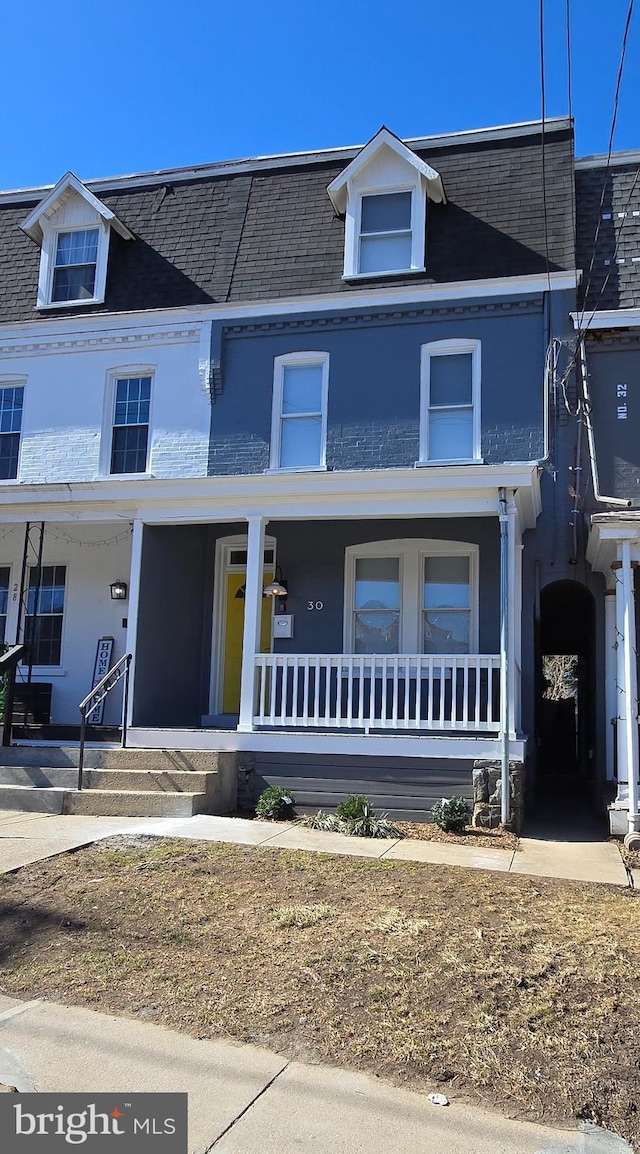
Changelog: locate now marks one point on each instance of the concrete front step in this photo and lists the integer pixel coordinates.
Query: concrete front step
(159, 781)
(158, 760)
(103, 802)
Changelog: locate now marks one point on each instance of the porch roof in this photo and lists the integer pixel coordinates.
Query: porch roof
(431, 491)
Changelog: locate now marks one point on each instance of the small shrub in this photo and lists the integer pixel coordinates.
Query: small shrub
(325, 821)
(372, 826)
(276, 804)
(451, 814)
(356, 806)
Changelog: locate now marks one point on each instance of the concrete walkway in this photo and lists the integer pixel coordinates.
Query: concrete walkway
(245, 1100)
(30, 837)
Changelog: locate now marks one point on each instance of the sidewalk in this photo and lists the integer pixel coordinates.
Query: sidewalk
(30, 837)
(245, 1100)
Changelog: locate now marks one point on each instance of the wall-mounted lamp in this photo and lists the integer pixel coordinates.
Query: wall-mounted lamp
(119, 591)
(277, 588)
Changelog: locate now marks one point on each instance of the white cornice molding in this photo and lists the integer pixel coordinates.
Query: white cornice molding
(94, 341)
(342, 302)
(607, 319)
(452, 491)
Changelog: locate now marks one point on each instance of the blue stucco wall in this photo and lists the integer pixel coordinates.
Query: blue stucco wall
(374, 382)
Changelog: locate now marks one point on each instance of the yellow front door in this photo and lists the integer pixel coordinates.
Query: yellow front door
(234, 623)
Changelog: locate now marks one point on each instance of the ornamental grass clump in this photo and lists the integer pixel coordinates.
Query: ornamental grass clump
(276, 804)
(452, 814)
(355, 817)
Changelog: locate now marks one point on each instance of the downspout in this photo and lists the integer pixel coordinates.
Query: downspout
(586, 408)
(504, 655)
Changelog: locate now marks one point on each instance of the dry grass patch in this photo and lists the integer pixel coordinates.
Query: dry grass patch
(507, 990)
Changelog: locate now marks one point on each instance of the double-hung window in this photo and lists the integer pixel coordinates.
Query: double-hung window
(130, 432)
(450, 401)
(75, 264)
(385, 233)
(11, 401)
(299, 420)
(45, 610)
(411, 596)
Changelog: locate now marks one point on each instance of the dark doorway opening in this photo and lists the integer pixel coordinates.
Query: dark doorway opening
(565, 705)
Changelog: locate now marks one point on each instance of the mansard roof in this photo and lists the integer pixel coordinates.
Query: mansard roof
(266, 229)
(608, 230)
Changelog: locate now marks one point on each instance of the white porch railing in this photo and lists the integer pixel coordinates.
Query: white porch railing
(430, 692)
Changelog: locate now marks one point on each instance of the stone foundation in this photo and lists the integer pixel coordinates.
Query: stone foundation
(487, 794)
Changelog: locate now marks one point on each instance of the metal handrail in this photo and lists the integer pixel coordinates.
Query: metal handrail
(8, 663)
(100, 692)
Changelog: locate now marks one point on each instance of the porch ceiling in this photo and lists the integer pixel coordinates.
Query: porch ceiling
(433, 491)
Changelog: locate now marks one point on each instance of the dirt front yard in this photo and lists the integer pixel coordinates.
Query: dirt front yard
(504, 990)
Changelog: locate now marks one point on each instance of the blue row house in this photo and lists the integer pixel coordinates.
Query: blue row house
(282, 430)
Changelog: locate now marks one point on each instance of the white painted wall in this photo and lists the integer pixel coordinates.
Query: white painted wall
(68, 403)
(89, 611)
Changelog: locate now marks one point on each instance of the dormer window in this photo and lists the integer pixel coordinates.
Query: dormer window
(74, 273)
(383, 195)
(385, 232)
(73, 229)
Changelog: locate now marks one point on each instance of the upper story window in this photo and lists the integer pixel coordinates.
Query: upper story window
(383, 195)
(72, 227)
(11, 402)
(450, 402)
(299, 419)
(385, 232)
(74, 271)
(130, 431)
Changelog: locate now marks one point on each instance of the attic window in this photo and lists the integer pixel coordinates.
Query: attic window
(385, 233)
(74, 273)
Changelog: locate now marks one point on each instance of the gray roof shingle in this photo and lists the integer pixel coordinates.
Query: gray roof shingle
(611, 264)
(273, 233)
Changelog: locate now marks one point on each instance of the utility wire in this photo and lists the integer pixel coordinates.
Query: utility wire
(614, 118)
(543, 106)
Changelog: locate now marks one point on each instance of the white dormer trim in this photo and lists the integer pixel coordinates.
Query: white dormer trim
(50, 218)
(338, 189)
(384, 166)
(33, 225)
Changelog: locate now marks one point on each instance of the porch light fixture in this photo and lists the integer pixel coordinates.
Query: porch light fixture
(119, 591)
(277, 588)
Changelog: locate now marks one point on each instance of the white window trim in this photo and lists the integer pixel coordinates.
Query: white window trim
(440, 349)
(48, 260)
(353, 220)
(412, 552)
(123, 372)
(279, 365)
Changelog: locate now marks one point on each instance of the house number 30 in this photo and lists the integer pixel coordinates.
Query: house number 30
(315, 605)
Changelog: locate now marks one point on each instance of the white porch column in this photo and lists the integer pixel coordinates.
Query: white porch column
(610, 679)
(252, 620)
(627, 714)
(514, 580)
(132, 609)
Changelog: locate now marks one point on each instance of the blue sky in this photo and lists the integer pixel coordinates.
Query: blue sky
(137, 85)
